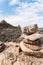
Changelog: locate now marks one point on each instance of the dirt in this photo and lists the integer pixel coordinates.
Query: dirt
(13, 55)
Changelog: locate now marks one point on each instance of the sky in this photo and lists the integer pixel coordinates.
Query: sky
(22, 12)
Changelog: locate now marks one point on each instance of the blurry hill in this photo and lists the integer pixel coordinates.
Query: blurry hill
(4, 25)
(9, 32)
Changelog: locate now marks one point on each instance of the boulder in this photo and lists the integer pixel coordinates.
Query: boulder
(36, 42)
(31, 29)
(27, 50)
(34, 47)
(33, 37)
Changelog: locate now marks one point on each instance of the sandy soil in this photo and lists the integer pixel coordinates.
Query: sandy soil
(12, 55)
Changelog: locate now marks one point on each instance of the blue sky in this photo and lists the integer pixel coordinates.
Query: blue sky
(22, 12)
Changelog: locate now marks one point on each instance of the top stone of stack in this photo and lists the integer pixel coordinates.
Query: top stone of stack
(31, 29)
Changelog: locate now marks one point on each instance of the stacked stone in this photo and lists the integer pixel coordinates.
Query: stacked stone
(32, 43)
(28, 30)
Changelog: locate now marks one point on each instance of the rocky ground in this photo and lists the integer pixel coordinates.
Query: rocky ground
(13, 55)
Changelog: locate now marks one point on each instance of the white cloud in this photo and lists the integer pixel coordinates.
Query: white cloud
(27, 14)
(13, 2)
(41, 1)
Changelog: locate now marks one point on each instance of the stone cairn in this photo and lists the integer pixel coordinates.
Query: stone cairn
(32, 43)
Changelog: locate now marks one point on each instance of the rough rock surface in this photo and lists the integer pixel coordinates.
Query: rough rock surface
(36, 42)
(34, 37)
(33, 42)
(34, 47)
(30, 29)
(13, 56)
(28, 60)
(10, 54)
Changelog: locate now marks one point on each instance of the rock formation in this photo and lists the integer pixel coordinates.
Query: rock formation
(32, 44)
(30, 29)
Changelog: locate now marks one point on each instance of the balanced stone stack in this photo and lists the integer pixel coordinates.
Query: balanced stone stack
(32, 43)
(30, 29)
